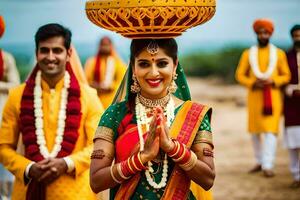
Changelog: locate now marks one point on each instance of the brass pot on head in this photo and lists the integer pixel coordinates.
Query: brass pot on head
(149, 18)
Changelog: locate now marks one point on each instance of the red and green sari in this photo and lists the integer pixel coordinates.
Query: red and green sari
(191, 118)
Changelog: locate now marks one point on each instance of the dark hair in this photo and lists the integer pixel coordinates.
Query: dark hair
(105, 38)
(169, 46)
(53, 30)
(295, 28)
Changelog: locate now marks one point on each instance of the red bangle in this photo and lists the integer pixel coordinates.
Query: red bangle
(175, 150)
(181, 151)
(186, 157)
(125, 169)
(133, 164)
(139, 163)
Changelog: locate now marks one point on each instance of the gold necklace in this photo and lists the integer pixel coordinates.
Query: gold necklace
(152, 103)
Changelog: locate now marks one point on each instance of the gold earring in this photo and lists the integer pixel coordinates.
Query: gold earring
(135, 87)
(173, 87)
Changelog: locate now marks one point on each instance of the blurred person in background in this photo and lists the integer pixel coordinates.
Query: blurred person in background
(263, 69)
(105, 71)
(9, 77)
(292, 108)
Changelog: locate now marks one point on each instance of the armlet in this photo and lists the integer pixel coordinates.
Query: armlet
(104, 133)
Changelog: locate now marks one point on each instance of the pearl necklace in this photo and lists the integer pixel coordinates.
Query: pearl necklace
(38, 114)
(253, 60)
(143, 122)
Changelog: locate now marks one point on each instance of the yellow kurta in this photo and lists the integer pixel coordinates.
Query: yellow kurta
(67, 186)
(257, 122)
(120, 69)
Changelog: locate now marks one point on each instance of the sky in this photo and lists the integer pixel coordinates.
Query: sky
(231, 25)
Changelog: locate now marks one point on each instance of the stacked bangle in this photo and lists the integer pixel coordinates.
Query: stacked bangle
(183, 156)
(131, 166)
(112, 174)
(190, 164)
(128, 167)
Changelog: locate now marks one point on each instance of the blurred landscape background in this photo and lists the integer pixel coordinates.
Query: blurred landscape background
(212, 49)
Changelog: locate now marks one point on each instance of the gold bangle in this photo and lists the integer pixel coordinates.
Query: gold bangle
(129, 166)
(113, 176)
(140, 159)
(121, 173)
(177, 148)
(191, 163)
(181, 157)
(134, 165)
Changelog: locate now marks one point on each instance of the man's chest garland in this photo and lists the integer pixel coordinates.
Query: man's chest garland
(32, 118)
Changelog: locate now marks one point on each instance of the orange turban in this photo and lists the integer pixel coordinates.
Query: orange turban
(2, 26)
(263, 23)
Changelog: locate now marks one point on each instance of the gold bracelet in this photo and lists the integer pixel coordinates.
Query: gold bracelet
(134, 165)
(182, 155)
(121, 173)
(129, 166)
(177, 148)
(140, 159)
(191, 163)
(113, 176)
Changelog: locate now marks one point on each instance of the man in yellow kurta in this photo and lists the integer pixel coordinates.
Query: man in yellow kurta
(53, 113)
(105, 71)
(263, 69)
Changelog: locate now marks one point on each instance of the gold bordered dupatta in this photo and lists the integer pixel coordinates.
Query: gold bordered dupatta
(184, 131)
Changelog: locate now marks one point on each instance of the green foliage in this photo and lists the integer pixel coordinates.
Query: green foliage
(221, 63)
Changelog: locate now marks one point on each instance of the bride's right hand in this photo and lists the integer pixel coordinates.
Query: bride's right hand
(151, 147)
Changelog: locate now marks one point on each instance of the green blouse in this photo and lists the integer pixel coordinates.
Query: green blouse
(112, 118)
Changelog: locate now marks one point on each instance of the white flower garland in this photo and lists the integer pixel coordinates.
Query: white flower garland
(38, 114)
(143, 122)
(253, 60)
(163, 181)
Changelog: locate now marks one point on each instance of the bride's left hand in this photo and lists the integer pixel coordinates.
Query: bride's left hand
(166, 144)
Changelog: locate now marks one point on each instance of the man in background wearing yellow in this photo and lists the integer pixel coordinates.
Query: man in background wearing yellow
(263, 69)
(105, 71)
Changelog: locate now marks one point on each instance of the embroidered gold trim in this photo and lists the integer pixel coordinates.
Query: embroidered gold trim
(104, 133)
(204, 137)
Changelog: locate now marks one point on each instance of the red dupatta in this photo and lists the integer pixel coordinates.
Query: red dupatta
(97, 69)
(185, 132)
(267, 99)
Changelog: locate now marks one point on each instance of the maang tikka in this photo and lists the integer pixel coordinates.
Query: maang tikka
(152, 47)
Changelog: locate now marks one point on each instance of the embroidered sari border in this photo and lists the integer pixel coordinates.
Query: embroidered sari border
(193, 114)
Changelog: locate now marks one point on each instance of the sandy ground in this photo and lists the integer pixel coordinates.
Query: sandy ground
(233, 150)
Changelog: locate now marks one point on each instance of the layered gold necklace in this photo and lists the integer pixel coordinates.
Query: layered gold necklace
(152, 103)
